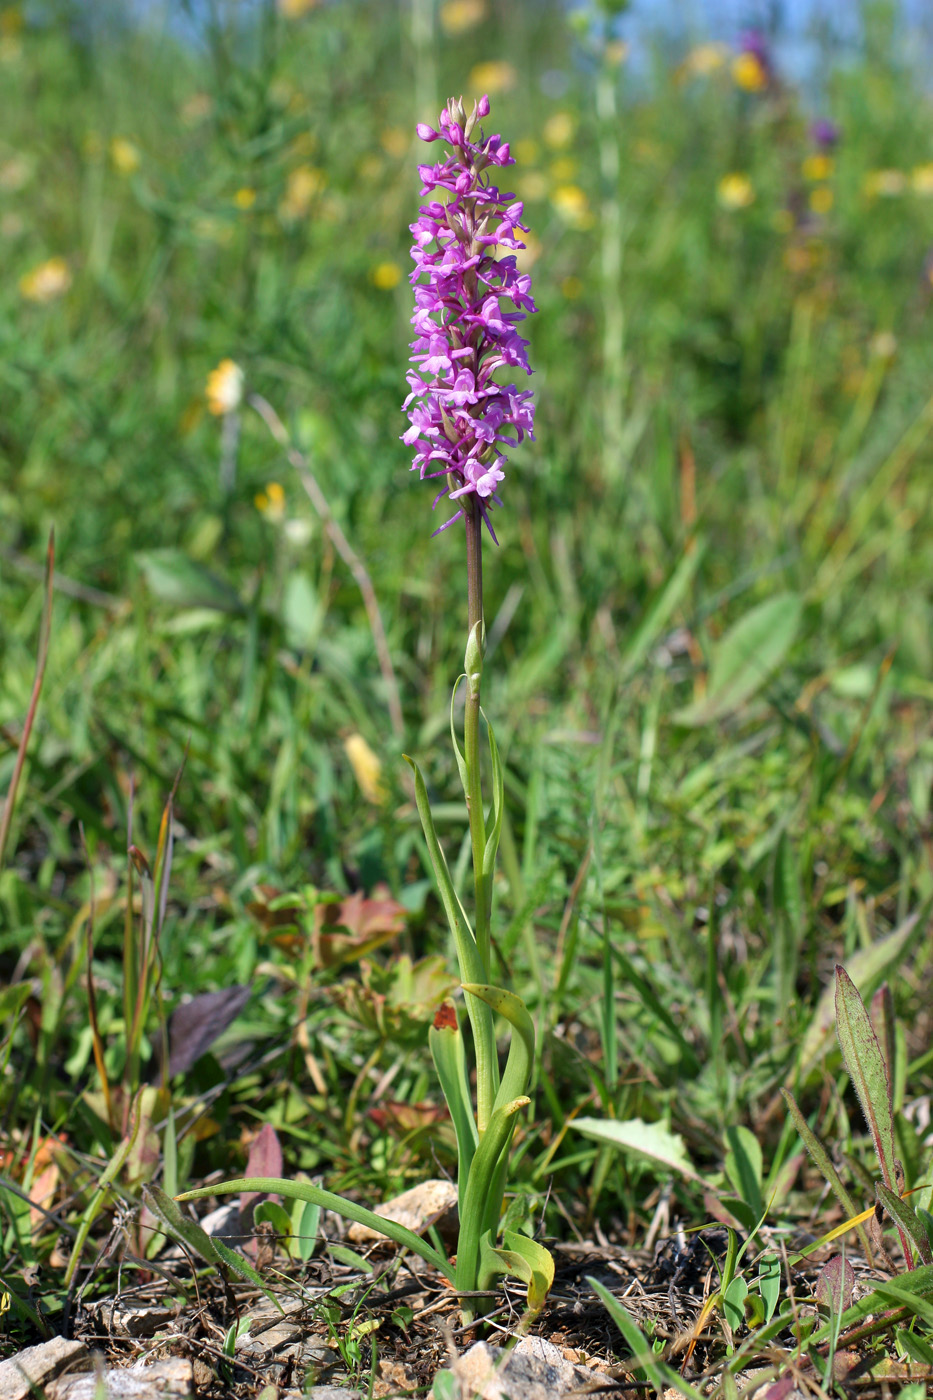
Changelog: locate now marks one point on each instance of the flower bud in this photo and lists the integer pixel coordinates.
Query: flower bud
(473, 660)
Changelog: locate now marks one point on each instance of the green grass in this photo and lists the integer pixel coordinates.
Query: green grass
(673, 896)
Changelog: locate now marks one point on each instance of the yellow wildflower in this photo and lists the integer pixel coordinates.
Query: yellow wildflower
(559, 130)
(271, 502)
(294, 9)
(457, 16)
(703, 60)
(821, 199)
(735, 191)
(564, 170)
(124, 156)
(921, 179)
(888, 183)
(573, 206)
(527, 257)
(198, 106)
(494, 76)
(385, 276)
(533, 185)
(817, 167)
(367, 768)
(224, 387)
(395, 142)
(245, 197)
(46, 281)
(749, 73)
(525, 151)
(303, 184)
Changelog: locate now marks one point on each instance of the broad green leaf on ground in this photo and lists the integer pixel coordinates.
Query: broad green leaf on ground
(646, 1139)
(177, 579)
(745, 657)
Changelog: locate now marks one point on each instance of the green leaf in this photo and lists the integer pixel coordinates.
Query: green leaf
(327, 1200)
(446, 1386)
(175, 578)
(744, 1167)
(493, 1142)
(461, 761)
(190, 1233)
(745, 657)
(522, 1045)
(823, 1162)
(661, 609)
(271, 1213)
(522, 1258)
(306, 1222)
(662, 1376)
(769, 1283)
(733, 1302)
(867, 1070)
(647, 1139)
(447, 1050)
(904, 1215)
(495, 818)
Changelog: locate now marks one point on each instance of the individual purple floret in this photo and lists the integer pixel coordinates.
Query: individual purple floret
(460, 416)
(824, 133)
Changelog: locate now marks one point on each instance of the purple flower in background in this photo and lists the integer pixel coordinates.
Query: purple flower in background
(824, 133)
(460, 415)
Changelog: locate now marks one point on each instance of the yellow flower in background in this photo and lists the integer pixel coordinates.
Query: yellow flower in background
(495, 76)
(303, 184)
(245, 197)
(883, 345)
(367, 769)
(573, 206)
(921, 179)
(749, 73)
(559, 130)
(15, 173)
(224, 387)
(564, 170)
(124, 156)
(703, 60)
(735, 191)
(395, 141)
(526, 151)
(457, 16)
(821, 200)
(385, 276)
(271, 502)
(294, 9)
(11, 20)
(817, 167)
(527, 257)
(887, 183)
(196, 108)
(534, 186)
(47, 281)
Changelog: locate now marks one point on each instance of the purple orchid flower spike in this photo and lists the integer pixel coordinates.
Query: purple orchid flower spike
(824, 133)
(460, 414)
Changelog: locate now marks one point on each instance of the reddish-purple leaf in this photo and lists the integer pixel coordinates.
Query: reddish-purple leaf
(264, 1160)
(197, 1023)
(835, 1284)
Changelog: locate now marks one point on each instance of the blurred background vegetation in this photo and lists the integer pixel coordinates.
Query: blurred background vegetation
(709, 613)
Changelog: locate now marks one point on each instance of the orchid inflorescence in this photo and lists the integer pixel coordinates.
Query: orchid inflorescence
(460, 416)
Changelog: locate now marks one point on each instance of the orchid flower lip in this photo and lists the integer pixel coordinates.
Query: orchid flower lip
(460, 416)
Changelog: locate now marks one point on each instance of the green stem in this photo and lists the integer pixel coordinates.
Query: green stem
(484, 1036)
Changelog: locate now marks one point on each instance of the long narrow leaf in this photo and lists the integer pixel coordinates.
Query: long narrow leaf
(905, 1217)
(522, 1046)
(446, 1043)
(327, 1200)
(661, 1376)
(823, 1163)
(492, 1143)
